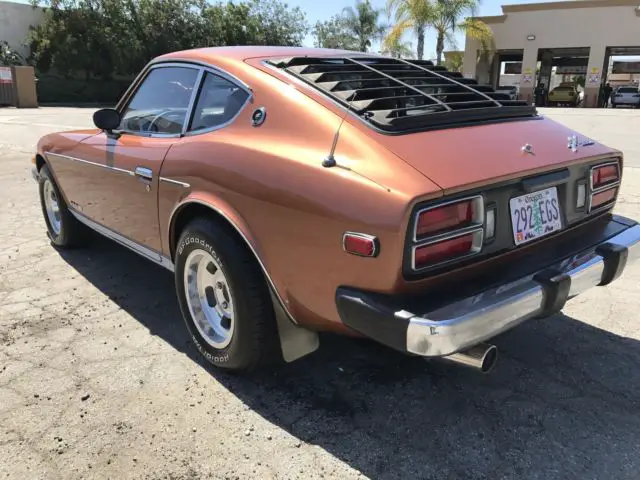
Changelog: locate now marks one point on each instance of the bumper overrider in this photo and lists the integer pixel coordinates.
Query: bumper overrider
(467, 322)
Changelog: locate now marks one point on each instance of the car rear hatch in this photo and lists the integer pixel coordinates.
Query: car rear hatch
(626, 95)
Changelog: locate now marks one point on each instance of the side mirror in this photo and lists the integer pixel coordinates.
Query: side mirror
(107, 119)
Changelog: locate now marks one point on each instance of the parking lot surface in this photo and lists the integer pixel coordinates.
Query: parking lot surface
(98, 378)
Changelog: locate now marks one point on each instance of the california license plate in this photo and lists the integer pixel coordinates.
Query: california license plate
(535, 215)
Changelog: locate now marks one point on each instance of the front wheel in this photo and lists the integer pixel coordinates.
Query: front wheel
(62, 227)
(224, 298)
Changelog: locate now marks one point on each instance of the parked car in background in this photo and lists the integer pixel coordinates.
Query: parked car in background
(293, 191)
(565, 95)
(626, 96)
(510, 90)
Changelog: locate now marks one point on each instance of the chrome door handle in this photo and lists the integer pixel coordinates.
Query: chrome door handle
(145, 174)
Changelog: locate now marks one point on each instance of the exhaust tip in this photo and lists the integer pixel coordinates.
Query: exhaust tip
(481, 357)
(489, 359)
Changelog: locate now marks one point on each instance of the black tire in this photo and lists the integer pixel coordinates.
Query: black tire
(71, 233)
(254, 341)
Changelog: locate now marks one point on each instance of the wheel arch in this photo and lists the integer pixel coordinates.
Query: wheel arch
(295, 341)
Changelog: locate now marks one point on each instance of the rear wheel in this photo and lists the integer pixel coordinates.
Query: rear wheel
(62, 227)
(224, 299)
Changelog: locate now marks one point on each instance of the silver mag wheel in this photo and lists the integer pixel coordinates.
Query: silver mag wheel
(209, 298)
(52, 207)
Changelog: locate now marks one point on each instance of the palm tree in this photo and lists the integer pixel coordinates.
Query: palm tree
(447, 15)
(415, 15)
(395, 47)
(362, 22)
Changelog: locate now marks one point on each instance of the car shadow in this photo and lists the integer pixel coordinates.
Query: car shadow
(563, 402)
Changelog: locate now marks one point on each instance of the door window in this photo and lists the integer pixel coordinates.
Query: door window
(161, 102)
(219, 101)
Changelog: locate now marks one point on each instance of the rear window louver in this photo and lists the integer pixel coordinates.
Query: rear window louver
(402, 95)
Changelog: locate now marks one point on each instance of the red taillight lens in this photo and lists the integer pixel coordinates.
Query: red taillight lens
(446, 250)
(605, 175)
(447, 217)
(604, 197)
(360, 244)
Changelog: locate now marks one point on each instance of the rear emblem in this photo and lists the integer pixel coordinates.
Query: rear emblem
(526, 148)
(573, 143)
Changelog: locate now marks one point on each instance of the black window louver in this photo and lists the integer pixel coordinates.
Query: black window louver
(401, 95)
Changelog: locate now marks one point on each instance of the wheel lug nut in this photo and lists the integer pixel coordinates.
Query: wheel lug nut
(219, 285)
(225, 305)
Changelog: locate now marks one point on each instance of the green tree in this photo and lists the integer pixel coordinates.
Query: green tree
(278, 23)
(409, 15)
(334, 33)
(447, 17)
(454, 62)
(395, 47)
(362, 22)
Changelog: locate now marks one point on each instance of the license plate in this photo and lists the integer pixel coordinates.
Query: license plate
(535, 215)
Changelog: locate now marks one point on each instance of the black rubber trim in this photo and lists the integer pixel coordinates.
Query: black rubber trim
(615, 261)
(539, 182)
(556, 286)
(367, 315)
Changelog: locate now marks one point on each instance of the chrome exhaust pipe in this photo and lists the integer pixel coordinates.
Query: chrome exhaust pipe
(482, 357)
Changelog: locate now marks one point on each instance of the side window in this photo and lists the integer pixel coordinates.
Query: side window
(161, 102)
(218, 102)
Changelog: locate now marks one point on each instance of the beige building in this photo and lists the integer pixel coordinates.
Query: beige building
(579, 33)
(15, 20)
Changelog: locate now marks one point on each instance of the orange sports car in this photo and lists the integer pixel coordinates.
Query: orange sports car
(294, 191)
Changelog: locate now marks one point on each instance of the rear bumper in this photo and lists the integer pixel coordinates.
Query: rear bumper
(465, 322)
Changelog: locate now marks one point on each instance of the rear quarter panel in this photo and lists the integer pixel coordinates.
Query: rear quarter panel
(270, 181)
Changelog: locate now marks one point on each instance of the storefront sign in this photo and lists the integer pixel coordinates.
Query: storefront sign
(572, 69)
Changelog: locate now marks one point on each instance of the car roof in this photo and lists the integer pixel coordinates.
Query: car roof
(241, 53)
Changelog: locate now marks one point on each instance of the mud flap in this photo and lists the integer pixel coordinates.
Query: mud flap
(295, 341)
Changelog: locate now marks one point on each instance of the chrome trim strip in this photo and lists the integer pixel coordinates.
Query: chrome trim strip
(87, 162)
(246, 241)
(145, 252)
(175, 182)
(373, 238)
(475, 319)
(192, 101)
(477, 221)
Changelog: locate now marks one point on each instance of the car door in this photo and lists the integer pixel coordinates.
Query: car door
(123, 196)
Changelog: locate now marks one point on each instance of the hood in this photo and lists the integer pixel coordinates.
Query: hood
(469, 157)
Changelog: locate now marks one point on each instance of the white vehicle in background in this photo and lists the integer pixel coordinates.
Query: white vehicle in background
(511, 90)
(626, 95)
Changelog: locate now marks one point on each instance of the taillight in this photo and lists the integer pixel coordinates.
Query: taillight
(604, 175)
(603, 198)
(453, 215)
(604, 184)
(447, 250)
(448, 232)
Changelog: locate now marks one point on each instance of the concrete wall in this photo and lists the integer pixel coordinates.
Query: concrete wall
(596, 24)
(15, 20)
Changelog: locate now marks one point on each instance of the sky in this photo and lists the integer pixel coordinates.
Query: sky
(325, 9)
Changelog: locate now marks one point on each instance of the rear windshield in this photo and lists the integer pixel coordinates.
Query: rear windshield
(627, 90)
(510, 88)
(565, 89)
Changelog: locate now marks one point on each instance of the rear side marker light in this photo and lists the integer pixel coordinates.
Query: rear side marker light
(450, 216)
(360, 244)
(604, 197)
(447, 249)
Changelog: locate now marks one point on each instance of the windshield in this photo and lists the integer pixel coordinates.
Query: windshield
(509, 88)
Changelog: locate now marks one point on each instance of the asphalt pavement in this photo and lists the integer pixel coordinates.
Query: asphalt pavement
(98, 378)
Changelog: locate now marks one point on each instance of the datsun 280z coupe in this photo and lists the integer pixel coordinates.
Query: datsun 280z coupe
(294, 191)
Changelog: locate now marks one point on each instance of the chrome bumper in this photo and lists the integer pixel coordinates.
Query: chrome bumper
(470, 321)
